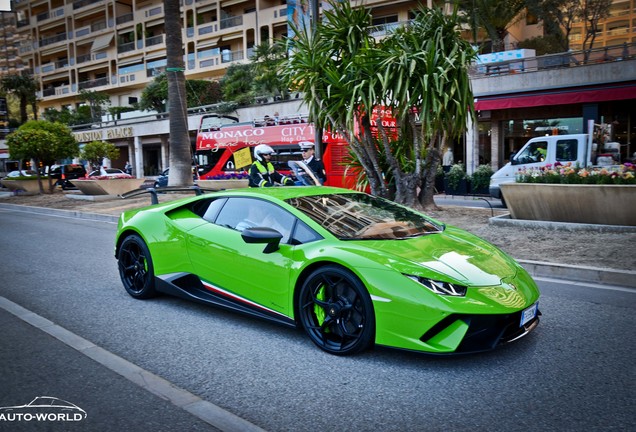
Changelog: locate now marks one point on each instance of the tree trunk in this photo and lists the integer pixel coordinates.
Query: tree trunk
(180, 148)
(433, 157)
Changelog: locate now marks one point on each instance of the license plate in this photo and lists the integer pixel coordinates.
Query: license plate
(528, 314)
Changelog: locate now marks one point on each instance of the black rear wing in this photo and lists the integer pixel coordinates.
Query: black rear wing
(154, 192)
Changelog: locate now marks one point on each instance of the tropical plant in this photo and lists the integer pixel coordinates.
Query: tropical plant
(95, 152)
(417, 76)
(560, 16)
(267, 61)
(237, 84)
(44, 142)
(493, 16)
(180, 148)
(155, 95)
(24, 88)
(81, 116)
(97, 101)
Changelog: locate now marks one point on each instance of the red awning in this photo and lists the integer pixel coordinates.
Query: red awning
(564, 97)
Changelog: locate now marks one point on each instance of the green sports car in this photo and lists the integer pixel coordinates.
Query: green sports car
(351, 269)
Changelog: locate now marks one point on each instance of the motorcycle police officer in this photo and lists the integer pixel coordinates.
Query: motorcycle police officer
(262, 172)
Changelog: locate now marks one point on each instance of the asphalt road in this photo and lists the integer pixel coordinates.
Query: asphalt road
(575, 372)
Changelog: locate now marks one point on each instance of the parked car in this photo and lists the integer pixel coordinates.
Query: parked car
(64, 173)
(162, 180)
(110, 172)
(351, 269)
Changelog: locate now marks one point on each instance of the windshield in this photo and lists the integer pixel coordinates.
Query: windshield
(361, 216)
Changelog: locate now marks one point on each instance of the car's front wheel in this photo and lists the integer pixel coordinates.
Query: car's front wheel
(135, 268)
(336, 311)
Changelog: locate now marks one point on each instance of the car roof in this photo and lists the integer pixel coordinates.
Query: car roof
(287, 192)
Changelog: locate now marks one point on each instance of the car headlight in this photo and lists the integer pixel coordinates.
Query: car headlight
(440, 287)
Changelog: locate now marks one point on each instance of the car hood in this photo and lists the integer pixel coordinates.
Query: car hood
(454, 254)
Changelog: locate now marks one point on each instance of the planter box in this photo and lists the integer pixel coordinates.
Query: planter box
(222, 184)
(29, 187)
(108, 187)
(461, 189)
(592, 204)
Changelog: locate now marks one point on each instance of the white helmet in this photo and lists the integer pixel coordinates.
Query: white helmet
(262, 149)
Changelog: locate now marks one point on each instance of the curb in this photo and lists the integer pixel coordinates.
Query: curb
(61, 213)
(623, 278)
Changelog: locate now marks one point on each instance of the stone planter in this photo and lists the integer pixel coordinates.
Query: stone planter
(592, 204)
(222, 184)
(28, 187)
(108, 187)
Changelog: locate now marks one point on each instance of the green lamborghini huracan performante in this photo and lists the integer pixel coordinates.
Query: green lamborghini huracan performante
(351, 269)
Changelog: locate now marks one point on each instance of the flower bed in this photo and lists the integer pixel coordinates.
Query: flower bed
(569, 174)
(224, 181)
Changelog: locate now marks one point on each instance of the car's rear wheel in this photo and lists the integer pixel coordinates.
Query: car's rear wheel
(336, 311)
(135, 268)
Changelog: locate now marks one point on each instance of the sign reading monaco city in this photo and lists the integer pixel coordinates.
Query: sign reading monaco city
(243, 135)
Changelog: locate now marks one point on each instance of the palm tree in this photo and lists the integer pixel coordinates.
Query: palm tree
(494, 16)
(420, 70)
(180, 148)
(24, 88)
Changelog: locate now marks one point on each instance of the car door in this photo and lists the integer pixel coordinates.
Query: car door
(242, 271)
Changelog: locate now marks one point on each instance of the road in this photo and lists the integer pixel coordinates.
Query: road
(575, 372)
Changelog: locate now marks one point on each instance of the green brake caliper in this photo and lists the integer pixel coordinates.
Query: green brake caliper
(318, 310)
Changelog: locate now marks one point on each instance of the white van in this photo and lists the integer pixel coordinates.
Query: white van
(541, 151)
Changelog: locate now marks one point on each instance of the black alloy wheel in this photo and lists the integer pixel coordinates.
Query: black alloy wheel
(336, 311)
(135, 268)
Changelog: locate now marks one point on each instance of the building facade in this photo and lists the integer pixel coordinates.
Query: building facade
(118, 46)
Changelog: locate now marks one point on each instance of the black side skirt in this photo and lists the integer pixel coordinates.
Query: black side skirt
(190, 287)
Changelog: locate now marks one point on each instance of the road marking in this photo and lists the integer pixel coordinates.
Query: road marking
(202, 409)
(586, 284)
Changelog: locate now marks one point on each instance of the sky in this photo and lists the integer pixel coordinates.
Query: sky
(5, 5)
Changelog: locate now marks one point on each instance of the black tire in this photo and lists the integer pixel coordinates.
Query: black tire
(336, 311)
(135, 268)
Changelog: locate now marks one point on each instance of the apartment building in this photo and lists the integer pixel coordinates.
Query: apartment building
(10, 61)
(117, 47)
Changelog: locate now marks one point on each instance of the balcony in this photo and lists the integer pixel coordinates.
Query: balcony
(93, 83)
(130, 46)
(125, 18)
(53, 39)
(231, 22)
(155, 40)
(228, 56)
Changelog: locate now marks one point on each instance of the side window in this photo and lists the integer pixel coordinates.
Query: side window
(304, 234)
(534, 152)
(242, 213)
(567, 150)
(208, 209)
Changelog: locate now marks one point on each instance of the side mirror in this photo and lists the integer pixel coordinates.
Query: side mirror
(263, 235)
